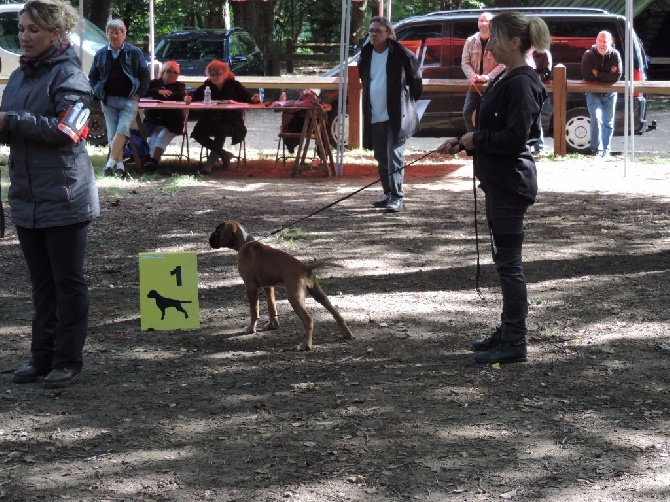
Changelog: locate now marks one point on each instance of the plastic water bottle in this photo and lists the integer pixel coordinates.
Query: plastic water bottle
(208, 96)
(261, 95)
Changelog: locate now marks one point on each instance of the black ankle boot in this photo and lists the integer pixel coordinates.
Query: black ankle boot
(504, 352)
(489, 342)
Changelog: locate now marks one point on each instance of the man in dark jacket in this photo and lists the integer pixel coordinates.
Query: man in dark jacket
(391, 78)
(601, 63)
(119, 77)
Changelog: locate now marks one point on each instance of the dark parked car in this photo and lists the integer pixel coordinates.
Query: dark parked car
(439, 38)
(195, 49)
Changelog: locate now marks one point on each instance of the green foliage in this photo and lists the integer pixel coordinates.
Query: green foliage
(304, 20)
(169, 15)
(289, 235)
(401, 10)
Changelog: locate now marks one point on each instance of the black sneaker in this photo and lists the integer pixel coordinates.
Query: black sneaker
(381, 203)
(504, 352)
(59, 378)
(489, 342)
(394, 206)
(108, 171)
(29, 374)
(150, 165)
(123, 174)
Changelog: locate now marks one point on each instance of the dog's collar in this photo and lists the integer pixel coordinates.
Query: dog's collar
(245, 235)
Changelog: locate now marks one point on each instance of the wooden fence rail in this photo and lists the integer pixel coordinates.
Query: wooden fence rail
(324, 52)
(560, 87)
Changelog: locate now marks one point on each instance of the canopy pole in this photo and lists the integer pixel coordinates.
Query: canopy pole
(151, 39)
(345, 33)
(628, 72)
(80, 26)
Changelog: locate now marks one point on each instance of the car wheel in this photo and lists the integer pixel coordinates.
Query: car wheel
(334, 129)
(97, 128)
(578, 130)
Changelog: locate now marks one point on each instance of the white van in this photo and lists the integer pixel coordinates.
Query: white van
(10, 50)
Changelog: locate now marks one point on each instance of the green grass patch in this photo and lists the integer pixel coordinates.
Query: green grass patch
(290, 235)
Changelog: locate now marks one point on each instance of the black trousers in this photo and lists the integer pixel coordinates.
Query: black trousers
(55, 259)
(390, 159)
(211, 134)
(505, 222)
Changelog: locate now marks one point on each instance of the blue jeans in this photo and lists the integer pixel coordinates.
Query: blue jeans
(547, 108)
(390, 159)
(472, 101)
(119, 114)
(601, 111)
(505, 221)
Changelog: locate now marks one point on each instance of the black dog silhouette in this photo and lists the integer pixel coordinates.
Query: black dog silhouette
(164, 303)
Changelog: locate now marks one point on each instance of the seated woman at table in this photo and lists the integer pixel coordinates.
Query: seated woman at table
(214, 126)
(162, 126)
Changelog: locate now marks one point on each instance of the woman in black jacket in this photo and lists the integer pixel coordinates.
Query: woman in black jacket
(214, 126)
(52, 194)
(162, 126)
(507, 126)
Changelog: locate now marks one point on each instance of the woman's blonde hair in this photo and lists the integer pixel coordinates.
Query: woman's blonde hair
(52, 15)
(531, 31)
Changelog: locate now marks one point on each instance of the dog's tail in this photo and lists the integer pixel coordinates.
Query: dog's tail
(314, 265)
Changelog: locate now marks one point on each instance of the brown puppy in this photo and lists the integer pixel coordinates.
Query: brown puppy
(261, 266)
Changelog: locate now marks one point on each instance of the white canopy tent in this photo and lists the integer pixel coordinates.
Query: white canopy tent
(629, 109)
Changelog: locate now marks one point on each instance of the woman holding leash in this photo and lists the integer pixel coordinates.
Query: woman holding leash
(507, 127)
(52, 194)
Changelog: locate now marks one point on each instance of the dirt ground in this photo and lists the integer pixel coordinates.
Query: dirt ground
(402, 413)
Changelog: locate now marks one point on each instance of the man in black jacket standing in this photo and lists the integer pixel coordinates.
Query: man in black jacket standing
(391, 78)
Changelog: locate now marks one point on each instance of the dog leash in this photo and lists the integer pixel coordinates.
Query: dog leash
(473, 85)
(474, 189)
(478, 273)
(327, 206)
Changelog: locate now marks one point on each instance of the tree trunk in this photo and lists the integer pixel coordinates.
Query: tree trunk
(98, 12)
(214, 16)
(257, 17)
(358, 29)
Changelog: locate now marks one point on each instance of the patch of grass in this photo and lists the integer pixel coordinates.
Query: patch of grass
(653, 159)
(4, 178)
(176, 183)
(289, 235)
(658, 105)
(116, 192)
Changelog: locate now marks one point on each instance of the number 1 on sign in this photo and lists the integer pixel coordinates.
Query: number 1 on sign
(177, 272)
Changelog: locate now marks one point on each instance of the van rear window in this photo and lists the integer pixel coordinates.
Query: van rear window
(425, 41)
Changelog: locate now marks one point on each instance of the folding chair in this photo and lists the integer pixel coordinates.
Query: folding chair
(290, 132)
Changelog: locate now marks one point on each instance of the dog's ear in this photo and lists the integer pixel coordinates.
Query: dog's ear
(228, 235)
